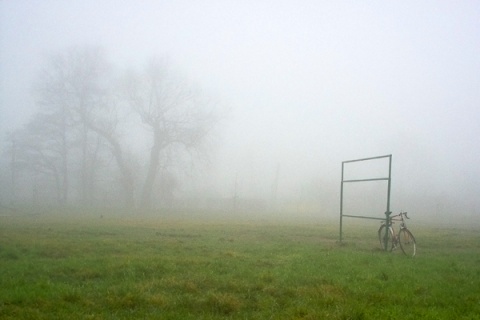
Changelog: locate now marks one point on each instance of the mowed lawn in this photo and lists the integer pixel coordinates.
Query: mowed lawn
(92, 266)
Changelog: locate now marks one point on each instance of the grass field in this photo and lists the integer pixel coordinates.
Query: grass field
(170, 267)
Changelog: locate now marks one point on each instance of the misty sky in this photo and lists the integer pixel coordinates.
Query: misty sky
(308, 83)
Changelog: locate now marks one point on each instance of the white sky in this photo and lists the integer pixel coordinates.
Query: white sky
(309, 83)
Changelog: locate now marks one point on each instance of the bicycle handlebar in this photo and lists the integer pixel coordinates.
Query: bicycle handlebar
(405, 214)
(400, 215)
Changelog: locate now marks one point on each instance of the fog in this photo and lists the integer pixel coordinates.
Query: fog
(299, 87)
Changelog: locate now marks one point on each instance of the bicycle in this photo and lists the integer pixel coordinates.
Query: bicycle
(404, 237)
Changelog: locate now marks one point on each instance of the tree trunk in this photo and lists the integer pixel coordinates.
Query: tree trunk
(127, 180)
(152, 171)
(64, 155)
(127, 177)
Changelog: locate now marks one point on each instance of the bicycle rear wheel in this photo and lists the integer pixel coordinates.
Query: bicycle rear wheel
(383, 232)
(407, 242)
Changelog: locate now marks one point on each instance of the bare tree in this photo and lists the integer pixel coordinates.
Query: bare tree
(39, 152)
(79, 85)
(174, 114)
(52, 98)
(86, 84)
(11, 153)
(73, 85)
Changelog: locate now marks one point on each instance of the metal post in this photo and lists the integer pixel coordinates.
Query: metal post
(388, 212)
(341, 204)
(389, 182)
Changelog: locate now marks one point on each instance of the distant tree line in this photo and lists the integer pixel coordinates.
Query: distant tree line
(104, 135)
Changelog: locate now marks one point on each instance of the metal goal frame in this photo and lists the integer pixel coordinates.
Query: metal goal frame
(389, 185)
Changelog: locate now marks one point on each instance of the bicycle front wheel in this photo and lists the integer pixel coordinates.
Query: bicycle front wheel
(385, 234)
(407, 242)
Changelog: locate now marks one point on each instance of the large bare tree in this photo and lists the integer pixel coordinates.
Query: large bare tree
(176, 116)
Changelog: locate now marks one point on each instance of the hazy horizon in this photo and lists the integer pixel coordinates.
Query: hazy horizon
(304, 86)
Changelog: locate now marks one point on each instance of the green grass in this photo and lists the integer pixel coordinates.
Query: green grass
(120, 267)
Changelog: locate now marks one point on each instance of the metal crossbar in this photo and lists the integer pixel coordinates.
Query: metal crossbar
(363, 180)
(371, 158)
(363, 217)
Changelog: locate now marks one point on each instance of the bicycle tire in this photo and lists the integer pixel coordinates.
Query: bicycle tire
(381, 237)
(407, 242)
